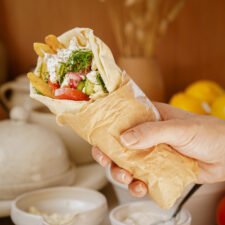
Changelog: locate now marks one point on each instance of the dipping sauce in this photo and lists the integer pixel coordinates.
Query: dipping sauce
(53, 218)
(141, 218)
(147, 213)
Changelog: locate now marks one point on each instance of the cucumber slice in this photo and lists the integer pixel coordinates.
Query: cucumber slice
(89, 87)
(81, 85)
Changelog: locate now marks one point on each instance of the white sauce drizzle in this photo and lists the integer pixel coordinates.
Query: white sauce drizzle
(53, 60)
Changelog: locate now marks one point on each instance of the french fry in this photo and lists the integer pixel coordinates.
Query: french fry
(40, 85)
(52, 41)
(40, 48)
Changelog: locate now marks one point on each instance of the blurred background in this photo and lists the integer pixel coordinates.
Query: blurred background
(173, 49)
(192, 48)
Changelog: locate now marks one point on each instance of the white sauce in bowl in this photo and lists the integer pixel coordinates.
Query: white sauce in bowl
(147, 213)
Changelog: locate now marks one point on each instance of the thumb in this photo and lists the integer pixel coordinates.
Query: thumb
(174, 132)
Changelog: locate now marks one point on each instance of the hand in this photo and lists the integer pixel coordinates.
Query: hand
(199, 137)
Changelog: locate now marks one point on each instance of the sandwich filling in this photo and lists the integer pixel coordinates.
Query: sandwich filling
(72, 74)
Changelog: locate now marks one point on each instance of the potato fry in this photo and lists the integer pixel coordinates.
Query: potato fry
(40, 85)
(52, 41)
(40, 47)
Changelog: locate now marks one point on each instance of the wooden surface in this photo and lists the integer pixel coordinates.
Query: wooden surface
(193, 48)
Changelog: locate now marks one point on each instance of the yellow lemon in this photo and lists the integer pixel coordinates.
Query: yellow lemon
(188, 103)
(218, 107)
(204, 90)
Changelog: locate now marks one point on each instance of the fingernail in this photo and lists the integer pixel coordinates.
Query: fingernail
(99, 158)
(124, 178)
(105, 162)
(139, 188)
(129, 138)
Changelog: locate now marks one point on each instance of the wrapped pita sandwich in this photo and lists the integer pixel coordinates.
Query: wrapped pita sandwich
(78, 80)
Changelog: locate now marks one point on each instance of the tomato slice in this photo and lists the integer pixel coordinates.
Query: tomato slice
(71, 94)
(53, 86)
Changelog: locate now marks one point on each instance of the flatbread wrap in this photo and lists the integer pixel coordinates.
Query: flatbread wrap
(78, 80)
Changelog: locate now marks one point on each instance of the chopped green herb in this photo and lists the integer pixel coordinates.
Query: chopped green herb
(79, 60)
(101, 82)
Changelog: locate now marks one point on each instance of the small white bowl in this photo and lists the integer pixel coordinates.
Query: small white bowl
(120, 213)
(90, 204)
(204, 200)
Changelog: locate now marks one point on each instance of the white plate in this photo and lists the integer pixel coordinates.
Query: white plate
(88, 176)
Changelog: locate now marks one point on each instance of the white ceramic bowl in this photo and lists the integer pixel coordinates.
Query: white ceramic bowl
(120, 213)
(31, 157)
(91, 205)
(202, 205)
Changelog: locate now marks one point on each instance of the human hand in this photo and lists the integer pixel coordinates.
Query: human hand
(199, 137)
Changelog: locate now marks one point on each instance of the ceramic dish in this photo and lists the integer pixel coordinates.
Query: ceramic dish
(82, 206)
(32, 157)
(80, 150)
(204, 200)
(145, 213)
(88, 176)
(17, 93)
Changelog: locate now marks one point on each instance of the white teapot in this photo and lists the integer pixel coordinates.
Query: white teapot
(80, 150)
(31, 157)
(17, 93)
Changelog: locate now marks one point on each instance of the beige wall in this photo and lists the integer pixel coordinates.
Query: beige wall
(193, 48)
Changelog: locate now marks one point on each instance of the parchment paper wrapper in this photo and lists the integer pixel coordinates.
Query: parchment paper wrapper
(100, 122)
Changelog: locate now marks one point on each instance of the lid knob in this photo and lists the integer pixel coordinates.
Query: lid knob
(18, 113)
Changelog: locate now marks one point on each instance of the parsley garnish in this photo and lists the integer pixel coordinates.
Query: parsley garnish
(78, 61)
(101, 82)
